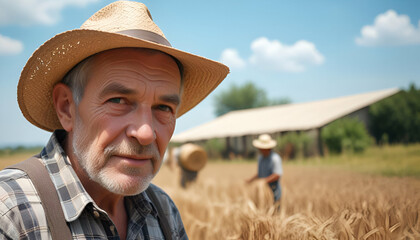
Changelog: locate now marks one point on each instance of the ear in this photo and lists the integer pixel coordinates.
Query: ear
(64, 105)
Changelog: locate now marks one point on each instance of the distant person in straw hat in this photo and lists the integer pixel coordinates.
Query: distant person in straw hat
(269, 164)
(110, 92)
(191, 158)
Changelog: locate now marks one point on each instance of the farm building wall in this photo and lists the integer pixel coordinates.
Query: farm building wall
(241, 147)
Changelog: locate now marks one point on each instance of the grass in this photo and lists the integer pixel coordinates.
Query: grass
(389, 160)
(10, 157)
(8, 151)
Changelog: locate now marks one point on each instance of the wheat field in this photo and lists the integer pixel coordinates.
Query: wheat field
(317, 203)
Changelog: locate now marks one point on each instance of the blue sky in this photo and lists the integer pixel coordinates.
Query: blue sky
(303, 50)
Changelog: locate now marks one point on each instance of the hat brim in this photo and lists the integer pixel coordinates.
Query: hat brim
(52, 60)
(260, 145)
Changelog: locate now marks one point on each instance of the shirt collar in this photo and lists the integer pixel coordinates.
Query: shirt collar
(73, 196)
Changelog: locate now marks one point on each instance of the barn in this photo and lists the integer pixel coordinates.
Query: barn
(239, 128)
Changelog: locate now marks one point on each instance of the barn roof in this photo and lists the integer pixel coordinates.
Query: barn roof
(281, 118)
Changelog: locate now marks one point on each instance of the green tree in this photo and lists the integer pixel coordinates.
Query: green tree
(397, 118)
(215, 147)
(346, 134)
(294, 145)
(243, 97)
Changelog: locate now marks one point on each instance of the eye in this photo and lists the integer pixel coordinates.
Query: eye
(165, 108)
(117, 100)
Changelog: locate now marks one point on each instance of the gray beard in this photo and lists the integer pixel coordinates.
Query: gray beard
(90, 162)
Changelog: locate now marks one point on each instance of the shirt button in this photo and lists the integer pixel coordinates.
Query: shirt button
(96, 214)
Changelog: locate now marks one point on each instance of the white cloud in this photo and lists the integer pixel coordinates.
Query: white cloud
(9, 46)
(29, 12)
(276, 56)
(390, 28)
(231, 58)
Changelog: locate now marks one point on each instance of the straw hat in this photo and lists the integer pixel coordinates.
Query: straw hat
(192, 157)
(120, 24)
(264, 141)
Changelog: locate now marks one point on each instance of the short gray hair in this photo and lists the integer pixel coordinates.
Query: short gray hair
(76, 79)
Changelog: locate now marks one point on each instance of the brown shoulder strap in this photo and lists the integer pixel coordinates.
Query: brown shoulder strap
(163, 220)
(49, 198)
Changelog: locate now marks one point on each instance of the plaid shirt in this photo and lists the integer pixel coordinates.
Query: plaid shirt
(22, 215)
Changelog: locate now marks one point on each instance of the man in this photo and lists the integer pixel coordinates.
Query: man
(110, 92)
(190, 158)
(269, 164)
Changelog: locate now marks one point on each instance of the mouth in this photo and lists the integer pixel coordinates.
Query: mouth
(134, 160)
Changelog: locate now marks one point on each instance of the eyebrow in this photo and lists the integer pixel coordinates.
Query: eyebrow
(116, 88)
(121, 89)
(171, 98)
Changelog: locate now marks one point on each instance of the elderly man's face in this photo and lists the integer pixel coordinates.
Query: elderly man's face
(265, 152)
(126, 118)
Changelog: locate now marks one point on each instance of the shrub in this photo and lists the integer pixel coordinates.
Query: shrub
(294, 145)
(347, 134)
(215, 147)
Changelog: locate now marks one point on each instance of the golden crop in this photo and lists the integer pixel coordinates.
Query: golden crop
(317, 203)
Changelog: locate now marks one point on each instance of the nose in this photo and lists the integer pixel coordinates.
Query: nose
(141, 127)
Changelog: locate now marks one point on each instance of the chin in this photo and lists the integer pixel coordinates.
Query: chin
(125, 185)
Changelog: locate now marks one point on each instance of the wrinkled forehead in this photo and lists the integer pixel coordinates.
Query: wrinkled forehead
(133, 72)
(148, 58)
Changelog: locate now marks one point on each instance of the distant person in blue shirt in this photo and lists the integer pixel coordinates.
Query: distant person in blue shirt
(269, 164)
